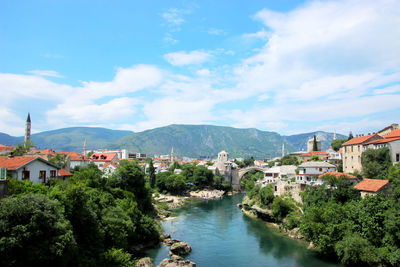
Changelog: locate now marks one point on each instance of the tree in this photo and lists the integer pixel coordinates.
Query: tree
(267, 195)
(152, 174)
(289, 160)
(315, 144)
(376, 163)
(202, 176)
(350, 136)
(34, 232)
(59, 160)
(337, 144)
(249, 162)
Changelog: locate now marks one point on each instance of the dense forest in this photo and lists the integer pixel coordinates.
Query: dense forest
(87, 221)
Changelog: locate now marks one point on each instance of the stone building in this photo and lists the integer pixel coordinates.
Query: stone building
(310, 144)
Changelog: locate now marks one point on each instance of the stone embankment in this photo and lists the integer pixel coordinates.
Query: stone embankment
(208, 194)
(172, 201)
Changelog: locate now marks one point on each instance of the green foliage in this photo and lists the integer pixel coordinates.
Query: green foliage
(117, 258)
(33, 231)
(350, 136)
(356, 250)
(202, 176)
(16, 187)
(267, 195)
(248, 162)
(59, 160)
(376, 163)
(290, 160)
(20, 150)
(315, 158)
(281, 207)
(337, 144)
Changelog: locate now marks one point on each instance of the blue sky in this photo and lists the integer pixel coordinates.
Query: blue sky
(284, 66)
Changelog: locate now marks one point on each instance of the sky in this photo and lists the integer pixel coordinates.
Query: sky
(284, 66)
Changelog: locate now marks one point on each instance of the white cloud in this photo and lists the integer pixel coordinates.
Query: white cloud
(214, 31)
(182, 58)
(203, 72)
(262, 34)
(48, 73)
(168, 38)
(11, 123)
(174, 16)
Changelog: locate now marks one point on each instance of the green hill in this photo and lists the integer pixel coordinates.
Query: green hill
(188, 140)
(206, 141)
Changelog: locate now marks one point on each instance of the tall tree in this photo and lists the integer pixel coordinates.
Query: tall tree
(152, 174)
(315, 145)
(376, 163)
(350, 136)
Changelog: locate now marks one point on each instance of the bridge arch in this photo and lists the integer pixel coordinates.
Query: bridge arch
(243, 171)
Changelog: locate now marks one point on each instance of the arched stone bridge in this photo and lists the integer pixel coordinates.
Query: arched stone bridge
(241, 172)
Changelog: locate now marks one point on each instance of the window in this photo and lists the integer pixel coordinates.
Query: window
(276, 188)
(320, 169)
(351, 148)
(25, 175)
(42, 176)
(53, 173)
(397, 157)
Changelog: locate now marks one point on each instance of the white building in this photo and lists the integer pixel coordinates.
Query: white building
(99, 159)
(285, 172)
(30, 168)
(309, 171)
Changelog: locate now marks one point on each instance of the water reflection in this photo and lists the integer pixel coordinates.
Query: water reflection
(220, 235)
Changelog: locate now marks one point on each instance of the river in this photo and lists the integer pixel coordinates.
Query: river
(221, 235)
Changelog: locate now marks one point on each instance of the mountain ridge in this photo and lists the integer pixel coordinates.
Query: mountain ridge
(188, 140)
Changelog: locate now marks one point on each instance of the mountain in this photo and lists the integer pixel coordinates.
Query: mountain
(187, 140)
(206, 141)
(70, 139)
(300, 140)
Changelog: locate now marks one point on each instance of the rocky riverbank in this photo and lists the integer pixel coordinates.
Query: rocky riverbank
(255, 211)
(207, 194)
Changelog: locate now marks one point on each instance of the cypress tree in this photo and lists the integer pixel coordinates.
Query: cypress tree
(152, 174)
(315, 145)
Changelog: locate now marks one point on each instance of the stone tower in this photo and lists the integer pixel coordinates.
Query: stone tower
(283, 150)
(84, 148)
(334, 135)
(28, 129)
(172, 154)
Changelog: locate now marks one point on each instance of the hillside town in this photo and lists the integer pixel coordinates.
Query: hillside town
(40, 166)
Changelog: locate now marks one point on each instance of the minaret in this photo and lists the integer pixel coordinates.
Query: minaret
(283, 150)
(28, 129)
(334, 135)
(172, 154)
(84, 148)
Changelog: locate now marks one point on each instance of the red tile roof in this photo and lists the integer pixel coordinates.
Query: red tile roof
(48, 152)
(15, 163)
(359, 139)
(394, 133)
(107, 156)
(3, 147)
(75, 156)
(62, 172)
(115, 164)
(314, 153)
(371, 185)
(338, 175)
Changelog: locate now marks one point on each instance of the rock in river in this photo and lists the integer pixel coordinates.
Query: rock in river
(145, 262)
(176, 263)
(181, 248)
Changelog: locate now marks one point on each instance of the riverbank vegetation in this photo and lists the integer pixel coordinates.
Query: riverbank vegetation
(334, 217)
(190, 177)
(86, 221)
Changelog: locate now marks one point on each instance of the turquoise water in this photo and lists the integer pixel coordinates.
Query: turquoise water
(221, 235)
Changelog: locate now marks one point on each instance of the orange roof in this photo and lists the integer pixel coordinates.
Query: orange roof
(385, 140)
(114, 164)
(371, 185)
(338, 175)
(3, 147)
(394, 133)
(48, 152)
(62, 172)
(75, 156)
(15, 163)
(359, 139)
(107, 156)
(313, 153)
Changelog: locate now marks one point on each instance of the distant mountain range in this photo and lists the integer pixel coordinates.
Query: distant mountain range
(188, 140)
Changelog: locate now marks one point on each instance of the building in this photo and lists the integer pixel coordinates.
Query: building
(99, 159)
(261, 164)
(309, 171)
(109, 168)
(75, 159)
(63, 174)
(310, 144)
(124, 153)
(372, 187)
(6, 149)
(27, 138)
(339, 175)
(387, 130)
(285, 172)
(392, 141)
(322, 155)
(30, 168)
(353, 149)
